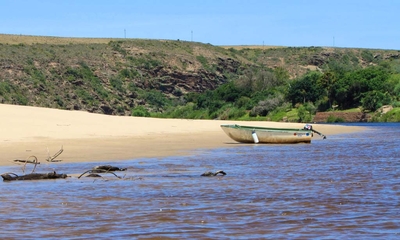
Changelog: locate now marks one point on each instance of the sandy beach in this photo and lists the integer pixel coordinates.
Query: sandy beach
(41, 132)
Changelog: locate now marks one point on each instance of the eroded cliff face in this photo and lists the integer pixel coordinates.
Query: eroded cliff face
(176, 82)
(322, 117)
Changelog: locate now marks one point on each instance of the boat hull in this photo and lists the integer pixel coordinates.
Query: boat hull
(249, 134)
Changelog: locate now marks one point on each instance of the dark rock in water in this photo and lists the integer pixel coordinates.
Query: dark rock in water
(211, 174)
(107, 168)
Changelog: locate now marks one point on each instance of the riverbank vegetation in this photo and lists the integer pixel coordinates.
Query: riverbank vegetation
(180, 79)
(267, 97)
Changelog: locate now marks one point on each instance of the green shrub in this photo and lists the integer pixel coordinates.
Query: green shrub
(228, 112)
(244, 102)
(375, 99)
(303, 114)
(323, 104)
(117, 46)
(267, 105)
(59, 101)
(367, 56)
(392, 116)
(128, 73)
(5, 88)
(277, 116)
(140, 111)
(203, 61)
(155, 98)
(84, 95)
(117, 84)
(333, 119)
(21, 99)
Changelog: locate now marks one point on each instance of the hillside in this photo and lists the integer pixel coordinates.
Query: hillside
(114, 76)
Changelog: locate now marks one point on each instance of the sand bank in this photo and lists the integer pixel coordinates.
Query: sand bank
(84, 137)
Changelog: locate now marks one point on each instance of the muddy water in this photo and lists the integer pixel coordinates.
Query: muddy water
(344, 187)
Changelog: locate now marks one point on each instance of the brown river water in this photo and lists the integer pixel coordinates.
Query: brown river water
(344, 187)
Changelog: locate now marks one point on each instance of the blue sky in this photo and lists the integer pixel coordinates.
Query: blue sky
(339, 23)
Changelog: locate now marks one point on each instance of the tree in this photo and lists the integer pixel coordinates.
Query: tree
(305, 89)
(327, 81)
(349, 90)
(374, 99)
(282, 75)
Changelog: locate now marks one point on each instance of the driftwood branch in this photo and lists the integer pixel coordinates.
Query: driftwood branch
(53, 158)
(25, 161)
(102, 169)
(91, 171)
(32, 176)
(34, 161)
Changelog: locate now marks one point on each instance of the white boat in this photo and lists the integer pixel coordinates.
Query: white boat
(251, 134)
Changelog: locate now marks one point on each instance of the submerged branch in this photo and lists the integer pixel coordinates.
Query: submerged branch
(98, 171)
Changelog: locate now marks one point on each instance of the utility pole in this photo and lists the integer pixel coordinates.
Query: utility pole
(125, 33)
(191, 36)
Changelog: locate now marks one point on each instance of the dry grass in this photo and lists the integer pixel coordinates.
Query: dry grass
(29, 40)
(240, 47)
